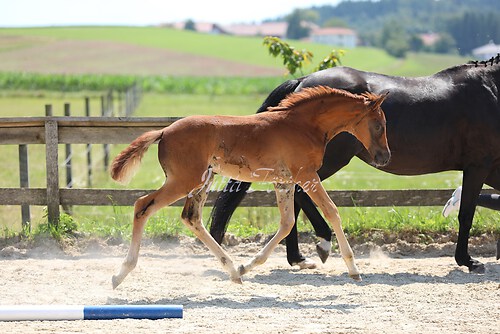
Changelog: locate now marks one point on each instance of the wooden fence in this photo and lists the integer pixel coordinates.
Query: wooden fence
(51, 131)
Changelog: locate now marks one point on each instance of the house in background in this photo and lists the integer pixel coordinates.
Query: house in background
(203, 27)
(487, 51)
(343, 37)
(429, 39)
(276, 29)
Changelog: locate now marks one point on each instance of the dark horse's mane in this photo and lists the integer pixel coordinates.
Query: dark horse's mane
(479, 64)
(307, 94)
(492, 61)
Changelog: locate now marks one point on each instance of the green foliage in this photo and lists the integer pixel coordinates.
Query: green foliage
(190, 25)
(295, 60)
(64, 83)
(445, 44)
(209, 85)
(158, 84)
(471, 23)
(64, 229)
(332, 60)
(394, 39)
(336, 22)
(472, 29)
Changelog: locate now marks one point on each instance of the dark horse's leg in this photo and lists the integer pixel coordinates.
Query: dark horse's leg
(491, 201)
(224, 206)
(473, 178)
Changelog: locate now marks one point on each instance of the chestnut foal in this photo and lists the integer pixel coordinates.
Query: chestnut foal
(284, 145)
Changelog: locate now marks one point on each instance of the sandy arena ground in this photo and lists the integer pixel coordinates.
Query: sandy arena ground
(404, 290)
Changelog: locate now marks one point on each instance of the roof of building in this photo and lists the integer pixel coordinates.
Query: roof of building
(263, 29)
(488, 48)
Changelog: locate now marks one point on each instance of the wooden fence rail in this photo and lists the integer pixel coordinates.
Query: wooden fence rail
(52, 131)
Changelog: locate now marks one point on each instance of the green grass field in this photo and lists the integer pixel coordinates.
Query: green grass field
(115, 221)
(246, 50)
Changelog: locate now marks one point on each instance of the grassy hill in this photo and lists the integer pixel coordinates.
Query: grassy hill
(149, 51)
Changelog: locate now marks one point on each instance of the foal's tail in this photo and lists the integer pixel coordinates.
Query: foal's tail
(127, 162)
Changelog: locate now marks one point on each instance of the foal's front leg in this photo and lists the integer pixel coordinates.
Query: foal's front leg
(191, 217)
(284, 198)
(319, 195)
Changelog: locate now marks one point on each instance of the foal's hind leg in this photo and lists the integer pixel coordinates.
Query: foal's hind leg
(284, 198)
(144, 207)
(191, 217)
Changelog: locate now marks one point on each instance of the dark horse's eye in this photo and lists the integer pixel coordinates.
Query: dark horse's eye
(378, 127)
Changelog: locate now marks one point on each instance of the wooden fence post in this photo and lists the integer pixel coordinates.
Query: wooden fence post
(104, 109)
(51, 156)
(24, 182)
(67, 162)
(89, 147)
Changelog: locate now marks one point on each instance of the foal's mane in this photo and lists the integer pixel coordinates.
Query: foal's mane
(312, 93)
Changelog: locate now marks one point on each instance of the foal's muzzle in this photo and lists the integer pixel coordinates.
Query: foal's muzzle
(382, 158)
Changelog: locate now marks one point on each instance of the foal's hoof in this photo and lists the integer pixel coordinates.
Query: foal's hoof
(115, 281)
(477, 267)
(306, 264)
(323, 249)
(236, 280)
(356, 277)
(242, 270)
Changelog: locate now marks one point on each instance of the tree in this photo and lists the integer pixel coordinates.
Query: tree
(394, 39)
(336, 22)
(445, 44)
(473, 29)
(295, 29)
(190, 25)
(416, 43)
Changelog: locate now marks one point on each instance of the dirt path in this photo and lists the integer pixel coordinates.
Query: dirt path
(423, 293)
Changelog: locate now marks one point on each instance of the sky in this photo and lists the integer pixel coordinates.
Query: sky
(32, 13)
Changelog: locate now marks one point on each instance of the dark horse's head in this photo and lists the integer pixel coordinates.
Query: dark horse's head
(373, 133)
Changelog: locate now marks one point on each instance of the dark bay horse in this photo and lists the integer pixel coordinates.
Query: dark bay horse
(446, 121)
(283, 145)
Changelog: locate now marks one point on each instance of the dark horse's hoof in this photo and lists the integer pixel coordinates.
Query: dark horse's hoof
(323, 249)
(476, 267)
(323, 255)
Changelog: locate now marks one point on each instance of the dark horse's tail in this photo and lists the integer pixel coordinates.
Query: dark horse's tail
(235, 191)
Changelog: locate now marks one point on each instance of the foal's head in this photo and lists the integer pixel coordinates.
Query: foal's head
(371, 130)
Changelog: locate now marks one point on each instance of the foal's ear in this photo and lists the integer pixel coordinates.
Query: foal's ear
(375, 104)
